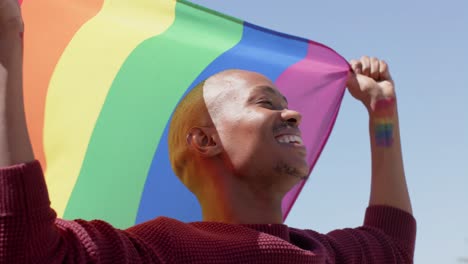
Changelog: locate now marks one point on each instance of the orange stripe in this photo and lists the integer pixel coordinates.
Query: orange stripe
(50, 25)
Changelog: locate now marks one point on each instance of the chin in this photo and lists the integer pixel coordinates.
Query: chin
(302, 173)
(301, 168)
(293, 171)
(305, 170)
(298, 166)
(305, 175)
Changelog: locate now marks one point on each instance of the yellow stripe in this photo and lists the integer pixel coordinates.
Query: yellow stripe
(383, 120)
(81, 81)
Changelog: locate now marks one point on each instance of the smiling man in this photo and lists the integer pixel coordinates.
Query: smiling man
(241, 147)
(237, 146)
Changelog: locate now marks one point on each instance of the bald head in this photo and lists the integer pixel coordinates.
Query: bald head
(233, 140)
(198, 109)
(231, 122)
(220, 89)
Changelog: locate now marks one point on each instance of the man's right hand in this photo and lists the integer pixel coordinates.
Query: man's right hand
(10, 16)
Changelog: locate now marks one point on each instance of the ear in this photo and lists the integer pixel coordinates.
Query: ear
(204, 140)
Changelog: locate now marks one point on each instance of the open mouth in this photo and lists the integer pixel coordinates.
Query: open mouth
(289, 139)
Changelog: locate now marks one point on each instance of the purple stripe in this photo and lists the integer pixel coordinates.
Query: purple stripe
(315, 87)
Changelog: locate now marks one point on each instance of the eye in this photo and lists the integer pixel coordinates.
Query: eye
(266, 102)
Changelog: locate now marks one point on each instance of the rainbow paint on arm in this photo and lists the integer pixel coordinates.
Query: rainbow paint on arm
(384, 122)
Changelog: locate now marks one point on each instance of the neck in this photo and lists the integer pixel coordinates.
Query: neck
(235, 202)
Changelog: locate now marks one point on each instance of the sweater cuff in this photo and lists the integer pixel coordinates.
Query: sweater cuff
(393, 221)
(22, 189)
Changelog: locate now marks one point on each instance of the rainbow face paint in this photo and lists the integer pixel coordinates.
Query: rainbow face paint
(384, 112)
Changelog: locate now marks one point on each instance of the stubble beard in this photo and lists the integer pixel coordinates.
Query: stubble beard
(285, 169)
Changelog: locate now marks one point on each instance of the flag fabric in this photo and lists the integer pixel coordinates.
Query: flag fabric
(102, 78)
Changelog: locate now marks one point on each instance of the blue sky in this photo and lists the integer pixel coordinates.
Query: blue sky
(425, 44)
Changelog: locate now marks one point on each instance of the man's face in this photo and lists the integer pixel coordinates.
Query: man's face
(259, 134)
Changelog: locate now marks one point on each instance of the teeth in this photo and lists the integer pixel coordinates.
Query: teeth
(299, 139)
(289, 139)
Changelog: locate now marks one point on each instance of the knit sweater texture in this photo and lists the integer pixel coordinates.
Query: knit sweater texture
(30, 232)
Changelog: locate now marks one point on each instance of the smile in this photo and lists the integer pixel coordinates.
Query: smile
(289, 139)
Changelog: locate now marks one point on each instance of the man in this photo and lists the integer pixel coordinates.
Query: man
(239, 155)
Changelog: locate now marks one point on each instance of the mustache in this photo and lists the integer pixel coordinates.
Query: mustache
(284, 125)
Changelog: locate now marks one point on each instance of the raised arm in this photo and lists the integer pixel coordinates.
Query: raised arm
(29, 229)
(374, 87)
(389, 231)
(15, 146)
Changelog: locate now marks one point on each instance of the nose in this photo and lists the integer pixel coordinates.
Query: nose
(292, 117)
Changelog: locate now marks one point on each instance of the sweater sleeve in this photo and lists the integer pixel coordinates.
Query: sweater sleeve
(31, 233)
(387, 236)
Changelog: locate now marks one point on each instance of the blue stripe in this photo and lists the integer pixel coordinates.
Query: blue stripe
(383, 134)
(260, 50)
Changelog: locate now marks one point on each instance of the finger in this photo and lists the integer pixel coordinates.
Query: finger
(356, 66)
(374, 68)
(365, 65)
(384, 72)
(352, 82)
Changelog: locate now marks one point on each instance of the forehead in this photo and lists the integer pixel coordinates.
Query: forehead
(229, 91)
(238, 84)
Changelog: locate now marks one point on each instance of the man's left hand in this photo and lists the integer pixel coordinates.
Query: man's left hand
(370, 81)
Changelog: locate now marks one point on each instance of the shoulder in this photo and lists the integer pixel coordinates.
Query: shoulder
(159, 225)
(311, 237)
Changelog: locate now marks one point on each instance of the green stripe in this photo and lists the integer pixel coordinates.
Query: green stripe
(210, 11)
(382, 127)
(137, 109)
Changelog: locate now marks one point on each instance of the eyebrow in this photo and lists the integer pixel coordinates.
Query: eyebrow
(269, 89)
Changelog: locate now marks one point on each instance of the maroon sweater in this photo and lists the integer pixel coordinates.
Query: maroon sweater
(31, 233)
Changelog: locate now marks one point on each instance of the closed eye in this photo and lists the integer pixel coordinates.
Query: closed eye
(268, 103)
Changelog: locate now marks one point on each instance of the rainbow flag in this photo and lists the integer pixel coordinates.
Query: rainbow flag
(102, 78)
